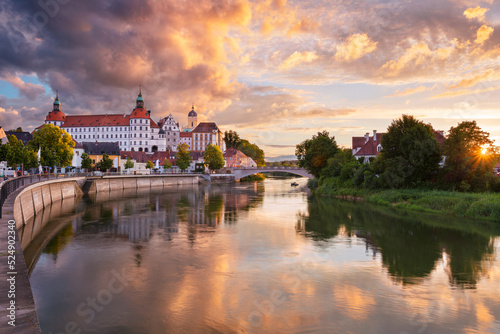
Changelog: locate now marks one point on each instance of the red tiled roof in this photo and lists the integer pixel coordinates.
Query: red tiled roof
(439, 137)
(97, 120)
(358, 141)
(186, 134)
(232, 152)
(77, 144)
(55, 115)
(135, 155)
(153, 124)
(162, 156)
(139, 113)
(370, 147)
(206, 127)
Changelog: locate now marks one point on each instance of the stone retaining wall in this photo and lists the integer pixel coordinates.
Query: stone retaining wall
(114, 183)
(34, 198)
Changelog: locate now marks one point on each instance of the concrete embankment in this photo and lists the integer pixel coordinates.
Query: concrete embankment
(40, 202)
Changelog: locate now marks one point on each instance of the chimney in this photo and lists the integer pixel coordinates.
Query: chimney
(367, 137)
(124, 115)
(374, 135)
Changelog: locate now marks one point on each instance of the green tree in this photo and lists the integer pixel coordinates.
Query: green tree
(86, 161)
(16, 154)
(129, 163)
(335, 164)
(253, 151)
(213, 157)
(232, 139)
(56, 146)
(470, 157)
(183, 156)
(106, 163)
(314, 153)
(149, 164)
(410, 153)
(167, 164)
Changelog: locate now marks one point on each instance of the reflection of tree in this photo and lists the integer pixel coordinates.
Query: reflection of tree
(57, 243)
(410, 246)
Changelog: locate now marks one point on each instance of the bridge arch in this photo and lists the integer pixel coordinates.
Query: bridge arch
(242, 172)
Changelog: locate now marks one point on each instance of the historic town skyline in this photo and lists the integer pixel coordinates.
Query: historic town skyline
(275, 71)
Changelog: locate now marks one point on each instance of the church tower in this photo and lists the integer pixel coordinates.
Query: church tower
(56, 116)
(192, 119)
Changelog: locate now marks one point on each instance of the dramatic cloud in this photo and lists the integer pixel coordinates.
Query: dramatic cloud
(475, 13)
(274, 64)
(297, 58)
(355, 47)
(28, 90)
(483, 34)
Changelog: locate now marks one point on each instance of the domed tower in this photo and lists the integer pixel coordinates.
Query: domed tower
(192, 119)
(140, 127)
(56, 116)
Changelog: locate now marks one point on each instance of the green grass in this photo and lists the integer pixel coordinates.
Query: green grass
(474, 205)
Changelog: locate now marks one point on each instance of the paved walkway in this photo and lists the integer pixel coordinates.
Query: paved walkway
(26, 318)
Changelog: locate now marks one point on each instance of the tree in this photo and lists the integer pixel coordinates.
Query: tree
(56, 145)
(314, 153)
(86, 161)
(16, 154)
(213, 157)
(129, 163)
(253, 151)
(410, 152)
(232, 139)
(470, 157)
(167, 164)
(149, 164)
(183, 156)
(106, 163)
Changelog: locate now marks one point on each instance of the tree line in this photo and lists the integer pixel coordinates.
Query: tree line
(410, 157)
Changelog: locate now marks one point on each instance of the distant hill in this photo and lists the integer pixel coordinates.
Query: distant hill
(281, 158)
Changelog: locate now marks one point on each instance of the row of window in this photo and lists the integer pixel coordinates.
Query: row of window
(96, 129)
(203, 135)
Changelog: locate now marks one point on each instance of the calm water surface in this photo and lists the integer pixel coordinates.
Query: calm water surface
(261, 258)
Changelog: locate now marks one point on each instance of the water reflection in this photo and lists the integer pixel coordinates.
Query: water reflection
(410, 247)
(263, 258)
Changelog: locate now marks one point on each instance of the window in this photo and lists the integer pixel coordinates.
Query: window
(140, 128)
(140, 135)
(140, 142)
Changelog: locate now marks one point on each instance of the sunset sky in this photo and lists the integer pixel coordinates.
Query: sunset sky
(275, 71)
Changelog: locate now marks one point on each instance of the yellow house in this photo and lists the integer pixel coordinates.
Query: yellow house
(95, 150)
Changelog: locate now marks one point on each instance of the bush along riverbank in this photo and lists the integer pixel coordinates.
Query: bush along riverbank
(473, 205)
(254, 177)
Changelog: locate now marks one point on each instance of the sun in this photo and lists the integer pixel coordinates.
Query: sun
(484, 150)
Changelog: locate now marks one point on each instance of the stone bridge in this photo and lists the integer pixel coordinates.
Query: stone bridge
(242, 172)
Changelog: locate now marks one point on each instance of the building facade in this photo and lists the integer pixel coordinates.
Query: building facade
(207, 133)
(171, 131)
(237, 159)
(133, 132)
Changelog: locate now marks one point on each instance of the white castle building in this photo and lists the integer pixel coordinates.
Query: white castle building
(133, 132)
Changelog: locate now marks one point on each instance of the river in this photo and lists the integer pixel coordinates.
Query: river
(262, 257)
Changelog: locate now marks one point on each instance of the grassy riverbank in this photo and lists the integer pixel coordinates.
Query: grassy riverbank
(474, 205)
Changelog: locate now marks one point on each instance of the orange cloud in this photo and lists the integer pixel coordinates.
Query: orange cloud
(416, 55)
(473, 81)
(476, 13)
(298, 57)
(483, 34)
(355, 47)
